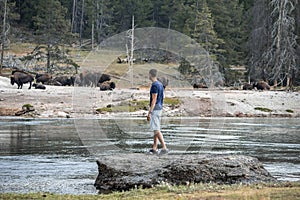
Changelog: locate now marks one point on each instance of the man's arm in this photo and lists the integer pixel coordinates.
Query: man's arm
(152, 105)
(154, 98)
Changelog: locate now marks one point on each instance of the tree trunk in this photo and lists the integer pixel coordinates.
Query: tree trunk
(3, 36)
(1, 59)
(73, 16)
(278, 42)
(93, 35)
(275, 83)
(81, 22)
(100, 20)
(48, 57)
(130, 58)
(288, 79)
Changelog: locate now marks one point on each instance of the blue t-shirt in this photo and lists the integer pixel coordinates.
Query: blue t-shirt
(157, 88)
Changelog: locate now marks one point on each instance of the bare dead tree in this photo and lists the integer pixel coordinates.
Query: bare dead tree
(5, 29)
(281, 54)
(132, 45)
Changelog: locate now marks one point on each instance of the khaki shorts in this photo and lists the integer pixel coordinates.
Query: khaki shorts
(155, 120)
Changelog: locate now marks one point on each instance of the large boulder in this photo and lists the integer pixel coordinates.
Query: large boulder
(127, 171)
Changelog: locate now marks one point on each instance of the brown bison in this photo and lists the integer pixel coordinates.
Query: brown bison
(164, 81)
(199, 85)
(39, 86)
(93, 79)
(43, 78)
(247, 86)
(21, 78)
(107, 85)
(63, 81)
(261, 85)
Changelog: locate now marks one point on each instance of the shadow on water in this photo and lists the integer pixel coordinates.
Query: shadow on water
(58, 155)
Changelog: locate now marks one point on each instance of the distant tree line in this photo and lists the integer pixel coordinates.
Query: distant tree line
(263, 35)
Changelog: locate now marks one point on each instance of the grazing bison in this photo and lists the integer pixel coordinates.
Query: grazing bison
(164, 81)
(63, 81)
(88, 79)
(43, 78)
(93, 79)
(73, 79)
(199, 85)
(104, 77)
(21, 78)
(261, 85)
(107, 85)
(39, 86)
(247, 86)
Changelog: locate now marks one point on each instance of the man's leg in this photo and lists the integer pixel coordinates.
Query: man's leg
(155, 141)
(158, 136)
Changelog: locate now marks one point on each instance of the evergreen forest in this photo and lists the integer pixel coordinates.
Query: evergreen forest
(261, 36)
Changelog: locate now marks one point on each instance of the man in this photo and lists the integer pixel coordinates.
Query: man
(154, 114)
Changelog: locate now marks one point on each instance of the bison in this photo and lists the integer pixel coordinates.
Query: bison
(104, 77)
(107, 85)
(43, 78)
(199, 85)
(262, 85)
(247, 86)
(39, 86)
(63, 81)
(93, 79)
(164, 81)
(21, 78)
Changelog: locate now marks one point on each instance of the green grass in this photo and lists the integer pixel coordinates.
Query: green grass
(289, 111)
(136, 105)
(27, 106)
(286, 191)
(263, 109)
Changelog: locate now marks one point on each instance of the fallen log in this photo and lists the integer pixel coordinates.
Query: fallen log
(127, 171)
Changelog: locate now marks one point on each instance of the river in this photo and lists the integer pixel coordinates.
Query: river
(58, 155)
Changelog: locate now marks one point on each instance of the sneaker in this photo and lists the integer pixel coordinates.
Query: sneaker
(153, 152)
(163, 151)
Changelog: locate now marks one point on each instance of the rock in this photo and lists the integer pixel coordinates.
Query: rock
(25, 109)
(63, 114)
(127, 171)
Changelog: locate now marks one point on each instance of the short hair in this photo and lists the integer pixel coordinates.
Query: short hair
(153, 72)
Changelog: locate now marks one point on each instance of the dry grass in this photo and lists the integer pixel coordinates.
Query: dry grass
(286, 191)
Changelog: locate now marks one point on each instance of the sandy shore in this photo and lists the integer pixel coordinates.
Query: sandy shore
(82, 102)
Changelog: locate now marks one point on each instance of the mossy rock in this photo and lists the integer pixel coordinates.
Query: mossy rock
(28, 107)
(263, 109)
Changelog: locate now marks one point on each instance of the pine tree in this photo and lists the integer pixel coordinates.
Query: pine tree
(51, 25)
(259, 39)
(201, 28)
(230, 25)
(169, 14)
(7, 17)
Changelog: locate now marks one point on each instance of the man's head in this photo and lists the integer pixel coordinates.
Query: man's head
(152, 74)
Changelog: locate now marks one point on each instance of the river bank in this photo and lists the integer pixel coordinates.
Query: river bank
(286, 190)
(83, 102)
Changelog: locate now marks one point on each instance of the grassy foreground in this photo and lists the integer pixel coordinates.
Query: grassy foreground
(285, 191)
